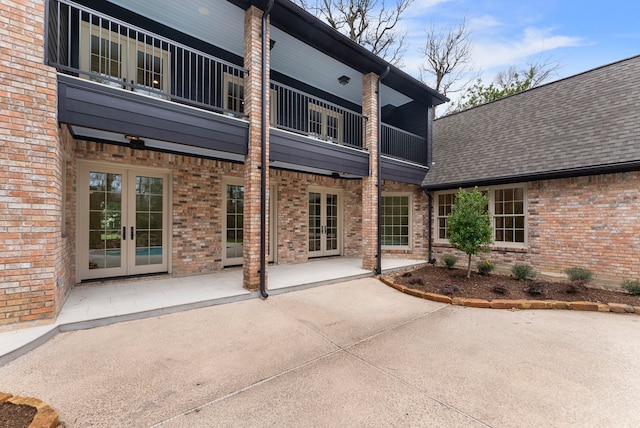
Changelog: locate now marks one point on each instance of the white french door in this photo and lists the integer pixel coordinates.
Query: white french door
(324, 223)
(123, 221)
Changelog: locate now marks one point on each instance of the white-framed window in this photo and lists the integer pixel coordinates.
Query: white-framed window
(233, 93)
(234, 96)
(325, 123)
(508, 210)
(117, 60)
(396, 220)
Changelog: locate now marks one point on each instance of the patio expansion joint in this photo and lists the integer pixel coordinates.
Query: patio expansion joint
(338, 349)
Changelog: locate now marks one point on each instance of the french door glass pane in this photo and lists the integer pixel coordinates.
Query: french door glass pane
(149, 203)
(105, 220)
(235, 220)
(315, 221)
(332, 222)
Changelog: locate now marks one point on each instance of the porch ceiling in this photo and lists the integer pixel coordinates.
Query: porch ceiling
(220, 23)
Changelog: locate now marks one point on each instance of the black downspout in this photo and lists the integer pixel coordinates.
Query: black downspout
(264, 166)
(378, 268)
(430, 210)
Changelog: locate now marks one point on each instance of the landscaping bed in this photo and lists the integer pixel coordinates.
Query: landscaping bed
(454, 283)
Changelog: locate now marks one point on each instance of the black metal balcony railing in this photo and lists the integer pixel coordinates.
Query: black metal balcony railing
(401, 144)
(94, 46)
(299, 112)
(91, 45)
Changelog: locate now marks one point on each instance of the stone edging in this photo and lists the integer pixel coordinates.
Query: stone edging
(515, 304)
(46, 416)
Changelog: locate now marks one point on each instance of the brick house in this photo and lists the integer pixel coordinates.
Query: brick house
(139, 140)
(561, 165)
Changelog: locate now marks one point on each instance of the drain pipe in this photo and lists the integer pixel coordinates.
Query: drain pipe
(430, 233)
(264, 166)
(378, 268)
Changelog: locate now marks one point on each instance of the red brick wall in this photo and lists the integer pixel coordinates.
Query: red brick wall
(293, 213)
(370, 183)
(591, 222)
(196, 202)
(31, 254)
(253, 159)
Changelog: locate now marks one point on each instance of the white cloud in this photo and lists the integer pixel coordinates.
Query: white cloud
(491, 53)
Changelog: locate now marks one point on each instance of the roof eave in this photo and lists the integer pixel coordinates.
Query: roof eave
(301, 24)
(544, 175)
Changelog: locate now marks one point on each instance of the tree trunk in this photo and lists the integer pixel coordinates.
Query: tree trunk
(469, 267)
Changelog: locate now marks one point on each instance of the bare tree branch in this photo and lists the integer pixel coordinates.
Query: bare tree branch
(370, 23)
(448, 56)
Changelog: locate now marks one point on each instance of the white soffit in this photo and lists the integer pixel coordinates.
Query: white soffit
(217, 22)
(221, 24)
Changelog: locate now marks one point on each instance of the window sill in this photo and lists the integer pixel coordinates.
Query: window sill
(494, 248)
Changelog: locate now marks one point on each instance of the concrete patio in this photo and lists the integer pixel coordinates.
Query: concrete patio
(348, 354)
(94, 305)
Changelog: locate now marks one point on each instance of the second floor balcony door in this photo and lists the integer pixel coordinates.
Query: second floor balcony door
(124, 62)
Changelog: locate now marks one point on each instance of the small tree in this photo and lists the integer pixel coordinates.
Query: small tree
(469, 225)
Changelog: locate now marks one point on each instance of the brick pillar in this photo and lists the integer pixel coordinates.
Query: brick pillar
(30, 169)
(252, 164)
(370, 183)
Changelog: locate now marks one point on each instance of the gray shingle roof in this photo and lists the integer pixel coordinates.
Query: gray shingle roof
(587, 122)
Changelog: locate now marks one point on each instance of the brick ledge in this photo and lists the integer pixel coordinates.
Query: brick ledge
(46, 416)
(514, 304)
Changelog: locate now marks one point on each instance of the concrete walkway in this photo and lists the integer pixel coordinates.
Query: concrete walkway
(349, 354)
(95, 305)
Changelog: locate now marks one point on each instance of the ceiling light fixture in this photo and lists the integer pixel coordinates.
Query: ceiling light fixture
(344, 79)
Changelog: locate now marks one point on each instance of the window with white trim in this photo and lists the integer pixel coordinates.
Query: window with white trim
(396, 220)
(507, 206)
(117, 60)
(325, 123)
(234, 96)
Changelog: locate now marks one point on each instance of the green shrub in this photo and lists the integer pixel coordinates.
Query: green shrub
(523, 272)
(574, 287)
(535, 289)
(449, 260)
(500, 289)
(632, 286)
(484, 267)
(449, 288)
(579, 274)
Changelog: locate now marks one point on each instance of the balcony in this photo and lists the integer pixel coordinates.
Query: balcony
(161, 80)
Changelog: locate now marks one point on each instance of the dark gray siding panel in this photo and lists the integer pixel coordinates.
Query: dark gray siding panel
(403, 172)
(301, 150)
(96, 106)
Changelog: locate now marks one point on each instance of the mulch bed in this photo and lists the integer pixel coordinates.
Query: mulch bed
(16, 415)
(454, 283)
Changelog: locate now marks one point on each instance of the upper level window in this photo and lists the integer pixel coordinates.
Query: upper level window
(117, 60)
(325, 123)
(507, 206)
(233, 93)
(234, 96)
(396, 220)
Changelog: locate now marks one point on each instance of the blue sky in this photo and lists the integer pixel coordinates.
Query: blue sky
(579, 35)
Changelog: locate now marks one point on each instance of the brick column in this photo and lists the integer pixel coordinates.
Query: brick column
(30, 170)
(370, 183)
(252, 164)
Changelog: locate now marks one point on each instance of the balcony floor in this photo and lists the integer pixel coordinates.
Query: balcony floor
(89, 306)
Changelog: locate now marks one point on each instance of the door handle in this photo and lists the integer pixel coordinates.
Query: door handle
(132, 233)
(124, 233)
